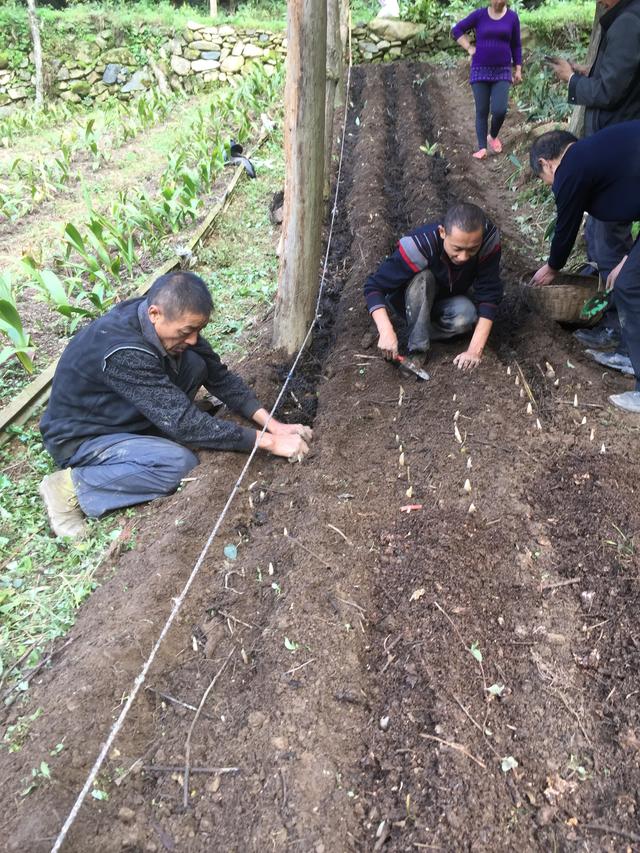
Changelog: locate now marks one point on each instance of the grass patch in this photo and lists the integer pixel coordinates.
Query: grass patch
(43, 580)
(239, 262)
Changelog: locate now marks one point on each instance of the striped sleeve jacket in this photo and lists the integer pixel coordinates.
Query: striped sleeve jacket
(423, 249)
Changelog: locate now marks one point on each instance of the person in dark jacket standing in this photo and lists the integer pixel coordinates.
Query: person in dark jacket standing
(427, 281)
(496, 63)
(599, 175)
(610, 92)
(121, 418)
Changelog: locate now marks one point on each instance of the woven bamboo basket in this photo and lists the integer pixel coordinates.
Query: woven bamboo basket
(564, 299)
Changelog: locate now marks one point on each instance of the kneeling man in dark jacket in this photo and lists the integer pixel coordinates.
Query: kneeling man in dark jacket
(121, 417)
(428, 281)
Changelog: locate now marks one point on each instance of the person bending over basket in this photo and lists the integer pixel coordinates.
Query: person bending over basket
(496, 63)
(121, 420)
(427, 279)
(599, 175)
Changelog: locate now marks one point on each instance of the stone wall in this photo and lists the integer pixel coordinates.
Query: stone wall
(101, 67)
(387, 39)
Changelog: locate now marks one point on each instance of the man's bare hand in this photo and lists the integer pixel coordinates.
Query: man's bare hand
(615, 272)
(388, 343)
(580, 69)
(467, 360)
(278, 428)
(562, 69)
(544, 276)
(292, 447)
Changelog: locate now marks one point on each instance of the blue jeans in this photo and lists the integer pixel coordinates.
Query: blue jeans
(122, 469)
(607, 243)
(494, 98)
(113, 471)
(626, 293)
(430, 319)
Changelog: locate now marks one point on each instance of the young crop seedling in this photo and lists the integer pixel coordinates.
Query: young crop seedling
(11, 327)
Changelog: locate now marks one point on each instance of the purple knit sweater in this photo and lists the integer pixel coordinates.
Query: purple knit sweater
(498, 44)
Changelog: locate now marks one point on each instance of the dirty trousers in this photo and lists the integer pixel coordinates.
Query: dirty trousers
(113, 471)
(430, 319)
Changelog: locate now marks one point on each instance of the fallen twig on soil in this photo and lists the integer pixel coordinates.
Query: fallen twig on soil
(582, 405)
(187, 748)
(308, 550)
(138, 763)
(301, 666)
(172, 699)
(574, 713)
(526, 385)
(178, 768)
(477, 725)
(458, 747)
(610, 830)
(337, 530)
(226, 615)
(352, 604)
(568, 582)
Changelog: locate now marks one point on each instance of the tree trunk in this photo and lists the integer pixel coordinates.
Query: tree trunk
(576, 124)
(303, 145)
(37, 52)
(213, 8)
(334, 73)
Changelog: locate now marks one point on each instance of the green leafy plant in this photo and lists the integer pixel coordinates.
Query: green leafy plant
(11, 327)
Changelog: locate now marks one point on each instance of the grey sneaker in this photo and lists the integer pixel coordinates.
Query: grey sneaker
(612, 360)
(61, 502)
(628, 402)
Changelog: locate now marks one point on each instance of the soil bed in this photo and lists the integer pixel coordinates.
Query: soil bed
(387, 669)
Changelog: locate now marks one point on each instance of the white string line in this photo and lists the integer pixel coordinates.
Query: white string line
(178, 602)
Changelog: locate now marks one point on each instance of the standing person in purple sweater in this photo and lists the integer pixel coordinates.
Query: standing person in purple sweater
(496, 63)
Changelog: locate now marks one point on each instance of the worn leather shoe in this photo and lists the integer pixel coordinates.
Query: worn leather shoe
(61, 502)
(612, 360)
(602, 338)
(628, 402)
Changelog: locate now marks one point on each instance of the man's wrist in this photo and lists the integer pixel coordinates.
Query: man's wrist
(264, 440)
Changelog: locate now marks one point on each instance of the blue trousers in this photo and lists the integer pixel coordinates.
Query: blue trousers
(627, 299)
(113, 471)
(494, 98)
(607, 243)
(122, 469)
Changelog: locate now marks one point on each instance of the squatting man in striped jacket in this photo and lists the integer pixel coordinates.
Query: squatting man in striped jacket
(426, 282)
(121, 418)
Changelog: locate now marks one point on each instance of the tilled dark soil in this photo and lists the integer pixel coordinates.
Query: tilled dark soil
(447, 679)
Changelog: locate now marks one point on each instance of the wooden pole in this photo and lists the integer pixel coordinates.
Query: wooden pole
(576, 124)
(213, 8)
(345, 25)
(304, 163)
(334, 72)
(37, 52)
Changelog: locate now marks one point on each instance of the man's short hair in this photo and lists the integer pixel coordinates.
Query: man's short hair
(178, 293)
(465, 216)
(549, 146)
